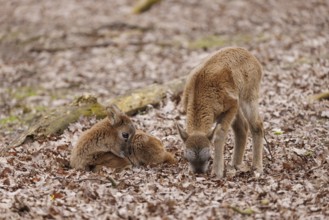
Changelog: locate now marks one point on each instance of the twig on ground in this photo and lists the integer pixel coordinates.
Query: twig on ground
(319, 96)
(315, 168)
(301, 156)
(109, 179)
(104, 44)
(144, 5)
(189, 196)
(114, 184)
(247, 211)
(57, 49)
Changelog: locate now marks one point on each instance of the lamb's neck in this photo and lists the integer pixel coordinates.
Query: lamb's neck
(200, 124)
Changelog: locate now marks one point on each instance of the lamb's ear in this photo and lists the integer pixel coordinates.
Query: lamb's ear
(113, 114)
(211, 134)
(182, 133)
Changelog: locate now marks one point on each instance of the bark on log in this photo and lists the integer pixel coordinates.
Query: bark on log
(55, 122)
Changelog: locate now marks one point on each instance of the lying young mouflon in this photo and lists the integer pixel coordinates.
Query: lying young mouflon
(112, 134)
(145, 149)
(223, 89)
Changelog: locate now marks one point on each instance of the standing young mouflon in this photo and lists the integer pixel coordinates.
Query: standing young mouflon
(223, 90)
(112, 134)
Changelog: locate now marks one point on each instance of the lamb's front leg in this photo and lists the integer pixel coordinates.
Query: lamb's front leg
(219, 164)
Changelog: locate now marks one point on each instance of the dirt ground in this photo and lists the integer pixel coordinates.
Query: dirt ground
(54, 51)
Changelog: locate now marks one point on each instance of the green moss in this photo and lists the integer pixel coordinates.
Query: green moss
(309, 153)
(209, 42)
(212, 41)
(8, 120)
(20, 38)
(30, 40)
(40, 108)
(243, 39)
(82, 106)
(98, 110)
(23, 92)
(10, 36)
(303, 60)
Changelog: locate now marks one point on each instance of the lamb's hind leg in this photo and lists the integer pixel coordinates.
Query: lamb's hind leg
(240, 128)
(108, 159)
(250, 111)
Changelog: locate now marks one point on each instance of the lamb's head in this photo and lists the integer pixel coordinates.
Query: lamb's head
(197, 149)
(123, 129)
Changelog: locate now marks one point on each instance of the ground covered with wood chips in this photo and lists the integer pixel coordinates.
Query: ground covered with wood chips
(54, 51)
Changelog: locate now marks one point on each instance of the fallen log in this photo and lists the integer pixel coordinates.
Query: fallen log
(56, 121)
(138, 99)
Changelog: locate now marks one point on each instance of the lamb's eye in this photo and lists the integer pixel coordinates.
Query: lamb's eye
(125, 135)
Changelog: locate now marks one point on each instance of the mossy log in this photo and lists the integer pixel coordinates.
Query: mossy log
(55, 122)
(138, 99)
